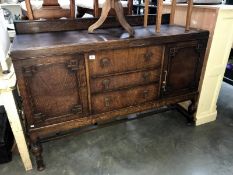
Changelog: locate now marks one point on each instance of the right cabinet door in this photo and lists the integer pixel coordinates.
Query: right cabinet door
(182, 67)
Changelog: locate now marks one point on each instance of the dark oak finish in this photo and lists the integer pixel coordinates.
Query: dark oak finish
(40, 26)
(72, 79)
(182, 66)
(115, 81)
(114, 61)
(121, 98)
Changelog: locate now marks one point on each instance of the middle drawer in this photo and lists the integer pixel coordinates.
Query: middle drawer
(126, 80)
(120, 99)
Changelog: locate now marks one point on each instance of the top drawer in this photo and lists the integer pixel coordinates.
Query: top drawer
(123, 60)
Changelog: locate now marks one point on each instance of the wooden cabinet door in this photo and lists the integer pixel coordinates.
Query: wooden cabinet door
(182, 67)
(53, 89)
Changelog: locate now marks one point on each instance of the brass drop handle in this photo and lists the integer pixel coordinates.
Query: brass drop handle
(164, 83)
(145, 94)
(107, 101)
(105, 83)
(146, 76)
(148, 56)
(104, 62)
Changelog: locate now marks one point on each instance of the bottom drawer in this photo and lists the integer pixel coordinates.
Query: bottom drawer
(124, 98)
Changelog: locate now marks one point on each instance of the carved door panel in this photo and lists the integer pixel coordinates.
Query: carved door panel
(182, 67)
(55, 90)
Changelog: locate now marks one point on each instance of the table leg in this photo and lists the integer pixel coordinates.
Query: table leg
(104, 14)
(116, 5)
(13, 117)
(120, 16)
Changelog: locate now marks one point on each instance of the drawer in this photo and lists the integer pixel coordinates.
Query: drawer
(119, 81)
(119, 99)
(122, 60)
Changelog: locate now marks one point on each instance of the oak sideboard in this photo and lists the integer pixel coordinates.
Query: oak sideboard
(70, 79)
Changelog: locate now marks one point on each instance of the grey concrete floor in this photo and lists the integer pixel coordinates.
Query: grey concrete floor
(161, 144)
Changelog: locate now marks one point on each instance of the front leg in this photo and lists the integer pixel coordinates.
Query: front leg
(37, 150)
(192, 109)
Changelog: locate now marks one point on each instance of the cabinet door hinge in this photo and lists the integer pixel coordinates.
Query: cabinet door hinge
(199, 47)
(172, 52)
(73, 65)
(29, 71)
(77, 109)
(40, 116)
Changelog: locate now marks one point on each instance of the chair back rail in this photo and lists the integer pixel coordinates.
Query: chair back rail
(50, 9)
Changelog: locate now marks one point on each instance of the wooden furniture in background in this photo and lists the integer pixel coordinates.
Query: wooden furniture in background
(188, 15)
(96, 6)
(146, 12)
(139, 7)
(159, 15)
(117, 7)
(218, 20)
(84, 79)
(50, 10)
(172, 15)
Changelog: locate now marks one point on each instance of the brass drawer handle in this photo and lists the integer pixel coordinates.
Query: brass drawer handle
(105, 84)
(107, 101)
(147, 56)
(104, 62)
(164, 82)
(146, 76)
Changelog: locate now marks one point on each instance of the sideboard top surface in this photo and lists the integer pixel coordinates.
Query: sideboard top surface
(43, 44)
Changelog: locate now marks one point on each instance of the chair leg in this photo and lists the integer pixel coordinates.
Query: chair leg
(146, 11)
(172, 15)
(130, 7)
(189, 14)
(159, 15)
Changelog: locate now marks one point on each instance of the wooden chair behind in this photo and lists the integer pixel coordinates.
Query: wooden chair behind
(50, 10)
(172, 15)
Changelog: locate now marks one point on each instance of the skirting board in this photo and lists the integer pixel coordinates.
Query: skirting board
(200, 120)
(206, 118)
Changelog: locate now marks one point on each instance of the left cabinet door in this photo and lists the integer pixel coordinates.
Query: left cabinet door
(53, 89)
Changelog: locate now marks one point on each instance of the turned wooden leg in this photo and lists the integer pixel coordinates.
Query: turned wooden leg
(146, 12)
(37, 152)
(159, 15)
(172, 15)
(104, 14)
(116, 5)
(120, 16)
(192, 110)
(189, 14)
